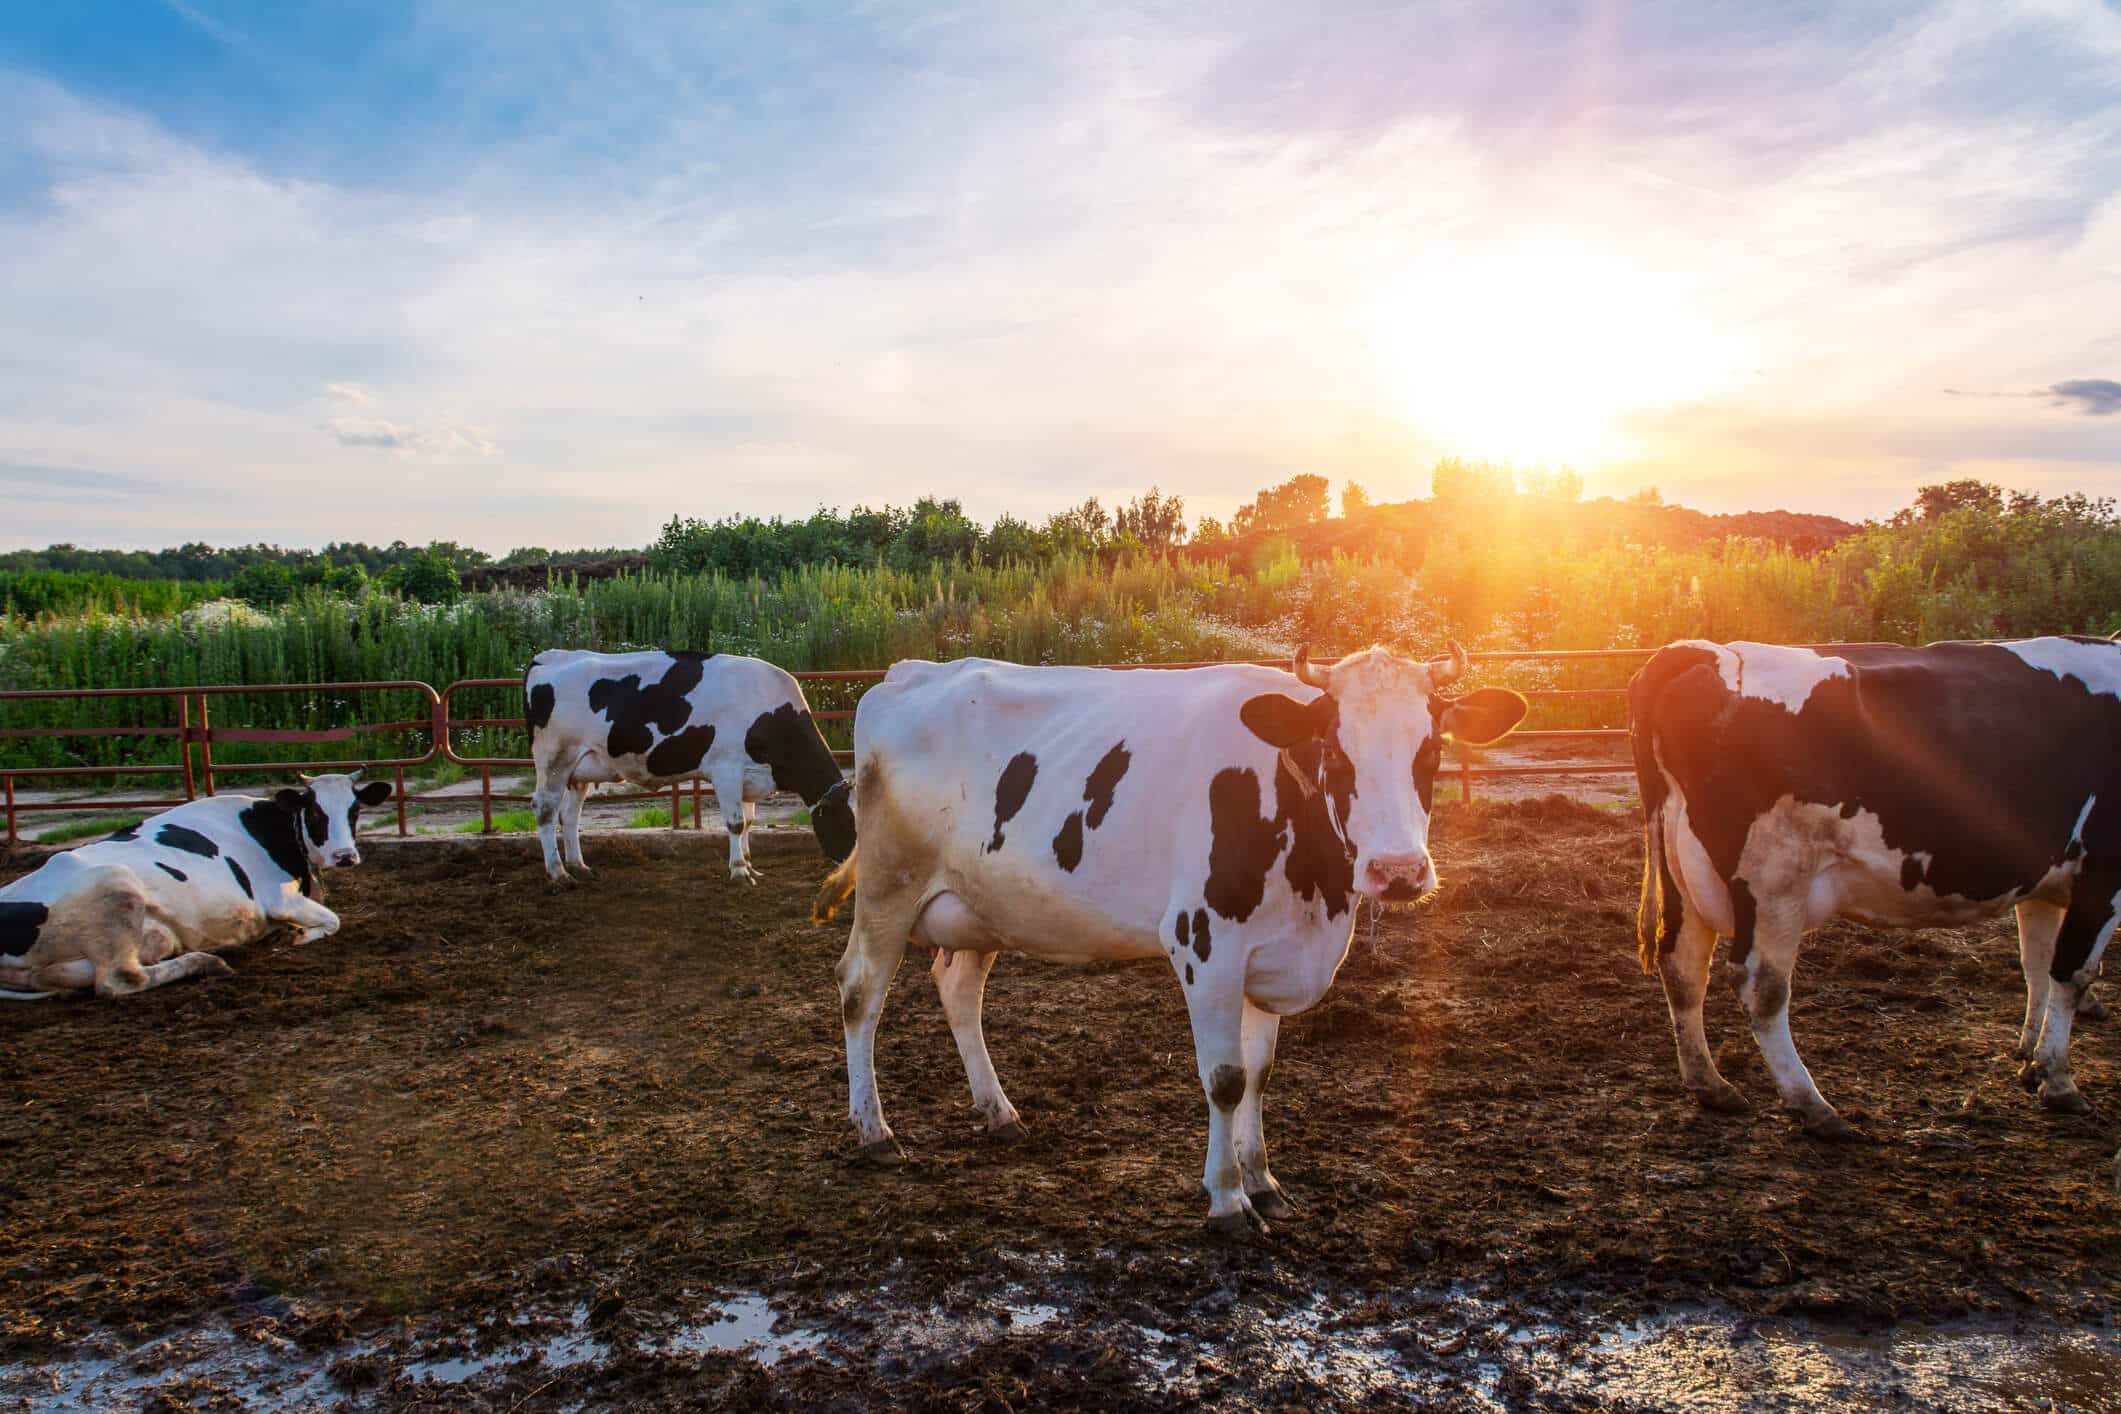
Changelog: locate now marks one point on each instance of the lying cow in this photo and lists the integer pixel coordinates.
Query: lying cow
(1905, 787)
(155, 901)
(1226, 819)
(653, 718)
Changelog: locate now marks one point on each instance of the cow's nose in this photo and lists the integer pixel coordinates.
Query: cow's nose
(1401, 877)
(345, 857)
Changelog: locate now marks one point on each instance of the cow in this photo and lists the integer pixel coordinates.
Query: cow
(653, 718)
(1901, 787)
(154, 902)
(1226, 820)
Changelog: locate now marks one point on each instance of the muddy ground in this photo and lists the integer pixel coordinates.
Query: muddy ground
(489, 1114)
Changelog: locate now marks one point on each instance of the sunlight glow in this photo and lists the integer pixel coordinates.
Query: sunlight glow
(1536, 352)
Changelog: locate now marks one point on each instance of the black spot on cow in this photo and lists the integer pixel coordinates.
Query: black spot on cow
(1011, 789)
(1226, 1086)
(272, 824)
(1242, 845)
(681, 753)
(1068, 844)
(638, 713)
(1745, 920)
(19, 923)
(1104, 779)
(787, 742)
(125, 836)
(1200, 932)
(537, 707)
(174, 873)
(1182, 927)
(1321, 863)
(188, 840)
(1189, 974)
(315, 820)
(1962, 752)
(242, 879)
(1428, 760)
(1910, 874)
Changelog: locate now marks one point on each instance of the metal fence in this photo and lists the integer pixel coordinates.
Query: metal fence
(193, 734)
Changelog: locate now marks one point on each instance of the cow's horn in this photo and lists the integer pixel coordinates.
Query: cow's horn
(1445, 671)
(305, 778)
(356, 773)
(1305, 673)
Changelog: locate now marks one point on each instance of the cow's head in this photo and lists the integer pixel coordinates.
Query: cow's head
(1376, 732)
(327, 813)
(833, 820)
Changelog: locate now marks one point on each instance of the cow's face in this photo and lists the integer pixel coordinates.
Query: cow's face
(327, 812)
(833, 819)
(1377, 734)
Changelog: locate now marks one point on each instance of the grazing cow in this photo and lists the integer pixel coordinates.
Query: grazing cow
(155, 901)
(1227, 819)
(1904, 787)
(653, 718)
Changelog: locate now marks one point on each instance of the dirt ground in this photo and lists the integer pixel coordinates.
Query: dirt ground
(486, 1099)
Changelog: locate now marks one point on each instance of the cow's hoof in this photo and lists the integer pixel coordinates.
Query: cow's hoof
(1723, 1099)
(1243, 1225)
(2064, 1102)
(883, 1152)
(580, 870)
(560, 882)
(214, 967)
(1834, 1129)
(1269, 1203)
(2029, 1077)
(1011, 1133)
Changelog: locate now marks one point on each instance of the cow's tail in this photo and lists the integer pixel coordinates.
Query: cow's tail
(837, 889)
(1660, 891)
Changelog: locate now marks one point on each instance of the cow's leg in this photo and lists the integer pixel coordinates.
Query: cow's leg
(961, 982)
(313, 918)
(736, 819)
(191, 964)
(74, 975)
(545, 799)
(1763, 979)
(875, 947)
(1217, 1009)
(1261, 1029)
(2079, 947)
(571, 805)
(1685, 972)
(2038, 924)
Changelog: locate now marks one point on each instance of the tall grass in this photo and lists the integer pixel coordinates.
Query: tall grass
(1964, 574)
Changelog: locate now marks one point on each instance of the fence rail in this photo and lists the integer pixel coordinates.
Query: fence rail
(194, 731)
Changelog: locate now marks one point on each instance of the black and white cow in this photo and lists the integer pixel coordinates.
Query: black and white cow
(652, 718)
(155, 901)
(1226, 819)
(1906, 787)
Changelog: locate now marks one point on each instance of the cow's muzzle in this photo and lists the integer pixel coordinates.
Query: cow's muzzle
(345, 858)
(1399, 878)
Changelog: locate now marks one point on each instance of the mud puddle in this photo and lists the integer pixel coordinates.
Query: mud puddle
(1452, 1345)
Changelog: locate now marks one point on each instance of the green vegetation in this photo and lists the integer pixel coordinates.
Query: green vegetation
(649, 817)
(1495, 568)
(86, 829)
(505, 822)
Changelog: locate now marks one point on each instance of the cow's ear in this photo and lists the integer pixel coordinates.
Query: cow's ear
(374, 793)
(291, 801)
(1481, 717)
(1280, 721)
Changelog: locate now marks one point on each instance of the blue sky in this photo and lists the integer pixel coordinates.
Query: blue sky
(549, 274)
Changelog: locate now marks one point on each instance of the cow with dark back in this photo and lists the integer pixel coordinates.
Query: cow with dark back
(154, 902)
(1905, 787)
(654, 718)
(1227, 820)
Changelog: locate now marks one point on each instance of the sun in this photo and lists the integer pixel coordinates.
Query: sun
(1536, 352)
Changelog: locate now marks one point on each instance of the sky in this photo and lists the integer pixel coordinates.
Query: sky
(550, 273)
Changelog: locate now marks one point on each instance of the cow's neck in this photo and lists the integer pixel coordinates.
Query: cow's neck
(278, 833)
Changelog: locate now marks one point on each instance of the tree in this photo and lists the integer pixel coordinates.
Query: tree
(1301, 500)
(1555, 484)
(1457, 480)
(1647, 496)
(1079, 530)
(1209, 532)
(263, 584)
(1153, 520)
(425, 575)
(1353, 500)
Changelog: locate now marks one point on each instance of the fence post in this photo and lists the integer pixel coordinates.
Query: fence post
(1465, 776)
(10, 812)
(206, 746)
(400, 773)
(677, 805)
(696, 804)
(191, 791)
(486, 800)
